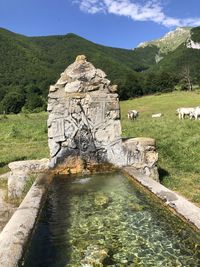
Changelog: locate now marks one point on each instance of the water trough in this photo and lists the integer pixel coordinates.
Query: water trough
(104, 220)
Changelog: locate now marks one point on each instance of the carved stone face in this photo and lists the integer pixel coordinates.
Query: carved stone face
(84, 140)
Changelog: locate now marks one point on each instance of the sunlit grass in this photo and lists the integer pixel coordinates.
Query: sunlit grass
(23, 137)
(178, 141)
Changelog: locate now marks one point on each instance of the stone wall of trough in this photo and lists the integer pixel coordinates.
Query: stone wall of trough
(16, 233)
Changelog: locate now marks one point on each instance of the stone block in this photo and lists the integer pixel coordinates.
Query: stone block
(20, 173)
(73, 87)
(142, 155)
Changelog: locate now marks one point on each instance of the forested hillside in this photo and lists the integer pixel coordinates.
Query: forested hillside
(30, 64)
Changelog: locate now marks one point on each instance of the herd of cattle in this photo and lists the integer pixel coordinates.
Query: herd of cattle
(182, 113)
(191, 112)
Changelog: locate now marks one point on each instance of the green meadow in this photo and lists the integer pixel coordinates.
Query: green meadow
(24, 136)
(178, 141)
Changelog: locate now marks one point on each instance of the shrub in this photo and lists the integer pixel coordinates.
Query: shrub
(14, 132)
(34, 102)
(13, 102)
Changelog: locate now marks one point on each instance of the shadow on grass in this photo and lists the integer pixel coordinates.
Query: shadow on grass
(163, 174)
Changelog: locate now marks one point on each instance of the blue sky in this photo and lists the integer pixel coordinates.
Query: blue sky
(118, 23)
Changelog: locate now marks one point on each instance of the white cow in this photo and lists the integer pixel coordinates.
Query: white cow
(157, 115)
(182, 112)
(195, 113)
(132, 114)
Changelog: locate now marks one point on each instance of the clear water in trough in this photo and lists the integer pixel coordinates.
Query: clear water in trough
(104, 220)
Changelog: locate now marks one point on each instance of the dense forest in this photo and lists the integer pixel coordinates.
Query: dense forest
(30, 64)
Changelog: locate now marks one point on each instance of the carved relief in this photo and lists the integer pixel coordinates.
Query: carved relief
(70, 128)
(58, 130)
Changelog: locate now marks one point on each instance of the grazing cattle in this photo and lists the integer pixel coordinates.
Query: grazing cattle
(157, 115)
(182, 112)
(195, 113)
(132, 114)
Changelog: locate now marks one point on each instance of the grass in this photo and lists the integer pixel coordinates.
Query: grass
(24, 136)
(29, 182)
(17, 200)
(178, 141)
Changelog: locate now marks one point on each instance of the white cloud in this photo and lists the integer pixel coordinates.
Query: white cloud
(143, 10)
(91, 6)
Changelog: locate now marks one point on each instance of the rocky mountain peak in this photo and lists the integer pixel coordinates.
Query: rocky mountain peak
(170, 41)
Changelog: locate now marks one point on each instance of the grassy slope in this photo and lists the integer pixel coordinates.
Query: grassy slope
(177, 141)
(24, 137)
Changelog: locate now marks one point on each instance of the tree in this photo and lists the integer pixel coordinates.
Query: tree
(128, 86)
(162, 81)
(2, 93)
(34, 101)
(13, 102)
(186, 77)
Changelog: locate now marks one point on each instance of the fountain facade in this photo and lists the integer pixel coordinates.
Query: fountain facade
(84, 128)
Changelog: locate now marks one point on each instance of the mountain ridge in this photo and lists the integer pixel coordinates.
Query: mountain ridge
(170, 41)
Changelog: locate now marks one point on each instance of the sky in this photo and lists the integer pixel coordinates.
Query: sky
(116, 23)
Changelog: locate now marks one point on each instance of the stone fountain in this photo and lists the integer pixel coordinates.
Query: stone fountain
(84, 128)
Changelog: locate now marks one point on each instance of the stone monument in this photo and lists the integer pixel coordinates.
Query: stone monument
(84, 128)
